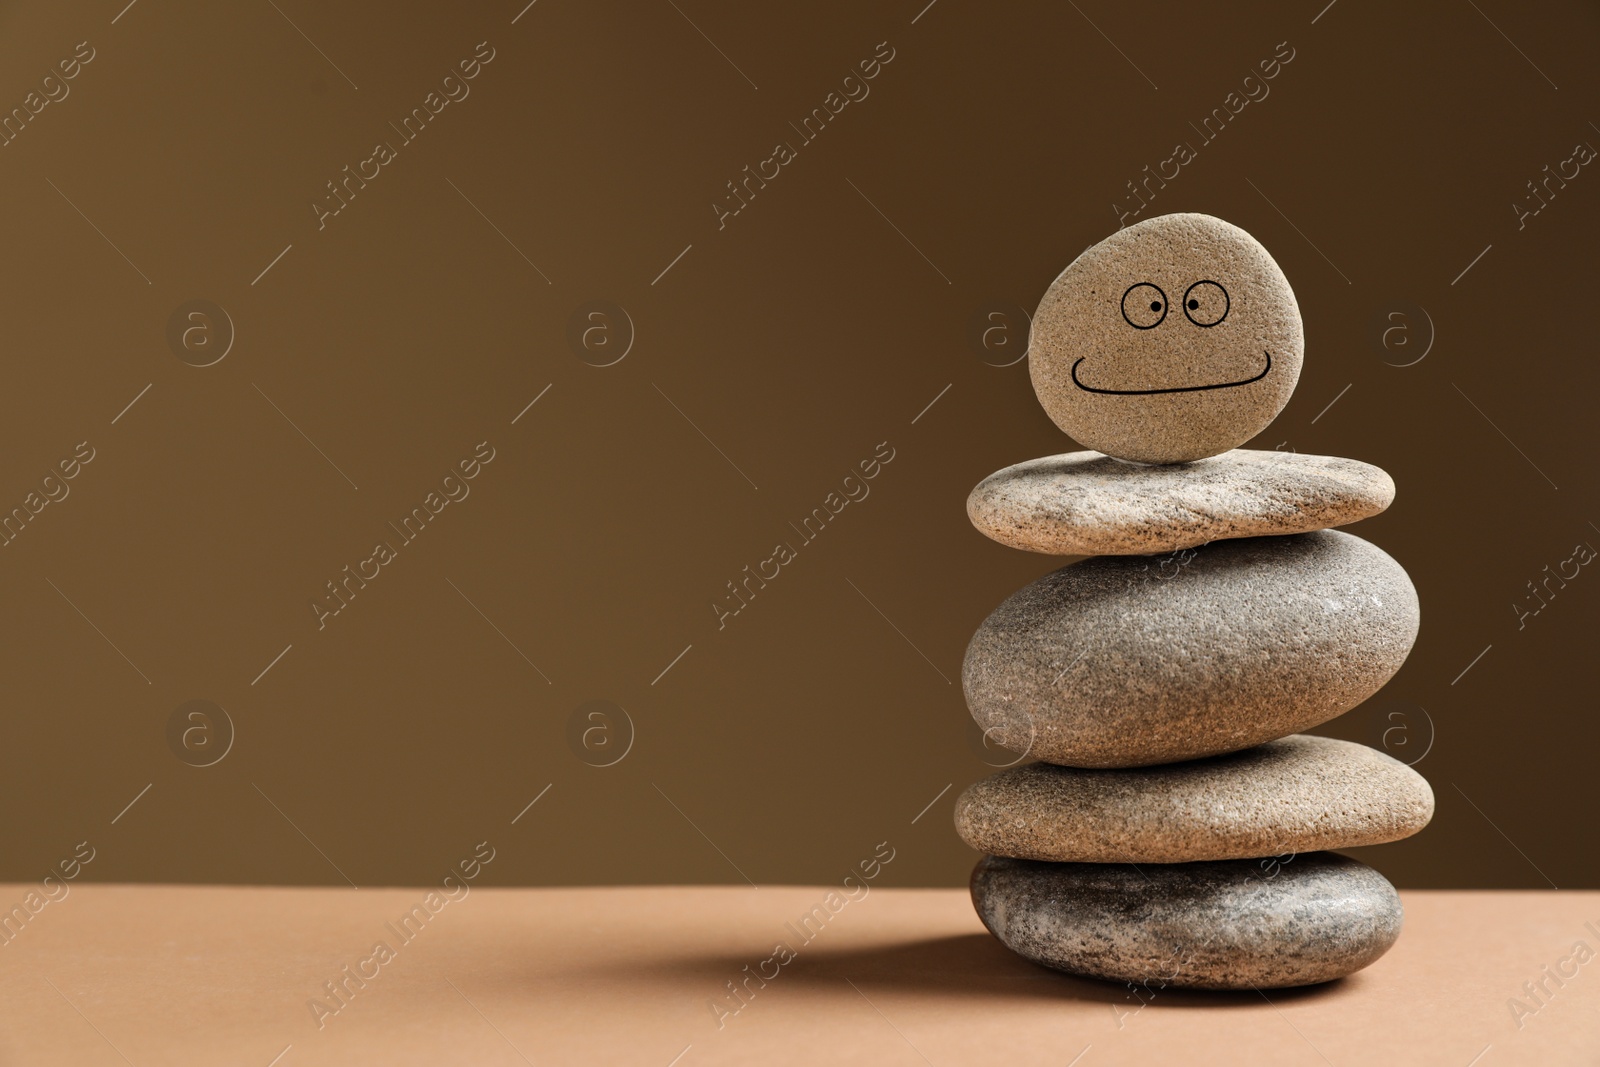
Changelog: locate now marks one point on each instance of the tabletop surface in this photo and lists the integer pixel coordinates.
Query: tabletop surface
(286, 977)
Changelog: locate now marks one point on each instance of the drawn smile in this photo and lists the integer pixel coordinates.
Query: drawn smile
(1178, 389)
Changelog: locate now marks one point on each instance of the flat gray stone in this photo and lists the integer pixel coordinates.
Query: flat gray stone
(1235, 924)
(1296, 794)
(1088, 504)
(1123, 661)
(1173, 339)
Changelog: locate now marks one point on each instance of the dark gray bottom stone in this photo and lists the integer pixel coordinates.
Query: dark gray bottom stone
(1232, 924)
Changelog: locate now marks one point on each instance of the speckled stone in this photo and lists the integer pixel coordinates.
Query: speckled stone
(1123, 661)
(1296, 794)
(1087, 504)
(1125, 366)
(1234, 924)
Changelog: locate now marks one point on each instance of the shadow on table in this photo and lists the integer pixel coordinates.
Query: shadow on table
(965, 964)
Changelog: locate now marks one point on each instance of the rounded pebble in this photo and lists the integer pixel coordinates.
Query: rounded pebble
(1235, 924)
(1296, 794)
(1087, 504)
(1123, 661)
(1173, 339)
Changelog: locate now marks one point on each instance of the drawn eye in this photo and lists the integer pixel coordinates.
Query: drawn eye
(1144, 306)
(1206, 303)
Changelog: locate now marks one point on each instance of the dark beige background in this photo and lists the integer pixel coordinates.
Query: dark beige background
(770, 356)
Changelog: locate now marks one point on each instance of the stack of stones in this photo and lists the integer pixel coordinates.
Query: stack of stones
(1177, 832)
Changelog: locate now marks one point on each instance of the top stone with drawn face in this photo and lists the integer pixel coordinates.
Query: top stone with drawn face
(1171, 340)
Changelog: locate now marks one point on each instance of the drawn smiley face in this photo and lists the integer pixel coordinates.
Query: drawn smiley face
(1121, 370)
(1205, 303)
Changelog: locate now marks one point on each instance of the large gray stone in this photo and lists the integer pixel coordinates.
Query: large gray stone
(1235, 924)
(1087, 504)
(1173, 339)
(1296, 794)
(1123, 661)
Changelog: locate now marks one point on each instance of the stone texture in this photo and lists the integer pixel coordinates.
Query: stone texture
(1296, 794)
(1087, 504)
(1174, 383)
(1235, 924)
(1123, 661)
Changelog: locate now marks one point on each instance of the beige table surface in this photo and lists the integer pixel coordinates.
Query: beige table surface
(153, 975)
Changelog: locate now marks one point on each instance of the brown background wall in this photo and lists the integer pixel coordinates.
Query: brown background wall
(768, 356)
